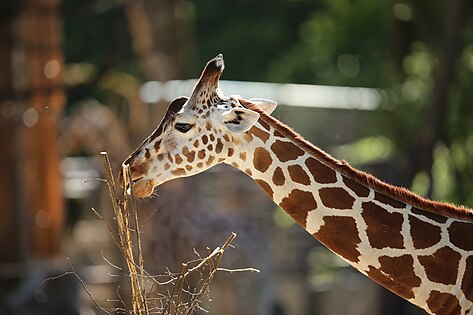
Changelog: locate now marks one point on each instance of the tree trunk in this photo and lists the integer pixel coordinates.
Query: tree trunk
(32, 98)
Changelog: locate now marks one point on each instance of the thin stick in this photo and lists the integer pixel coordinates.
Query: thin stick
(85, 288)
(196, 300)
(180, 298)
(139, 304)
(121, 215)
(138, 238)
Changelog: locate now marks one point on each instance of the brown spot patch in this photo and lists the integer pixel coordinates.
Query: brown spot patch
(388, 201)
(262, 159)
(210, 147)
(298, 204)
(461, 235)
(219, 146)
(243, 156)
(397, 274)
(247, 136)
(278, 177)
(208, 126)
(432, 216)
(286, 151)
(442, 266)
(160, 157)
(236, 141)
(188, 167)
(424, 234)
(358, 189)
(230, 152)
(190, 155)
(201, 154)
(178, 159)
(210, 160)
(179, 172)
(336, 198)
(139, 169)
(277, 134)
(205, 139)
(443, 303)
(298, 175)
(340, 234)
(166, 166)
(247, 171)
(147, 154)
(226, 137)
(196, 143)
(212, 137)
(265, 187)
(157, 145)
(260, 133)
(321, 173)
(200, 164)
(384, 228)
(467, 281)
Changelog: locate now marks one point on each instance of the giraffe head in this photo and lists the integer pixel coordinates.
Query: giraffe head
(195, 134)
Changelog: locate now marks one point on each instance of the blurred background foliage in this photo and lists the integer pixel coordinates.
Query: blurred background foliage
(418, 53)
(407, 48)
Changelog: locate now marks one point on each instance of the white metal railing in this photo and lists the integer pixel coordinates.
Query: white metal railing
(321, 96)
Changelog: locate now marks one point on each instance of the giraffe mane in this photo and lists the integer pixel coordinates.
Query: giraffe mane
(398, 193)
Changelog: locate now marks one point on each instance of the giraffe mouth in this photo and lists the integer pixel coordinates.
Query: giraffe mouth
(136, 179)
(141, 188)
(136, 184)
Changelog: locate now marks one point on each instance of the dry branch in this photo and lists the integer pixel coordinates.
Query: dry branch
(182, 298)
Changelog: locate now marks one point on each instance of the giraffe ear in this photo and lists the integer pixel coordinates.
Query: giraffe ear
(239, 119)
(267, 106)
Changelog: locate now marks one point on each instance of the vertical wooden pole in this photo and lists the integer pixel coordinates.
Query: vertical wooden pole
(9, 237)
(31, 99)
(43, 69)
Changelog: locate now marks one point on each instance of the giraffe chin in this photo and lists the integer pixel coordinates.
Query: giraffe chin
(143, 188)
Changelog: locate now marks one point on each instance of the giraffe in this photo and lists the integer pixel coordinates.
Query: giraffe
(420, 249)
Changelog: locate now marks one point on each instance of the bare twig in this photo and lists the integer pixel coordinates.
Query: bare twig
(180, 297)
(85, 288)
(66, 273)
(239, 270)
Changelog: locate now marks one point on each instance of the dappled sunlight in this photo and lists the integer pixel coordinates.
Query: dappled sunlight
(366, 150)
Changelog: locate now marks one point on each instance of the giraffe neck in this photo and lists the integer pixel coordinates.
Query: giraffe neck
(412, 246)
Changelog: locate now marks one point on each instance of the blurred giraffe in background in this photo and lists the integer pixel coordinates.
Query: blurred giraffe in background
(419, 249)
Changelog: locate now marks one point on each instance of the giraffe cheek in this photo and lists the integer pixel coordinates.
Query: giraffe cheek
(138, 170)
(169, 144)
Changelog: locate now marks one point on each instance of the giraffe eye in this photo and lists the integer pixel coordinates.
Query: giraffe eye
(183, 127)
